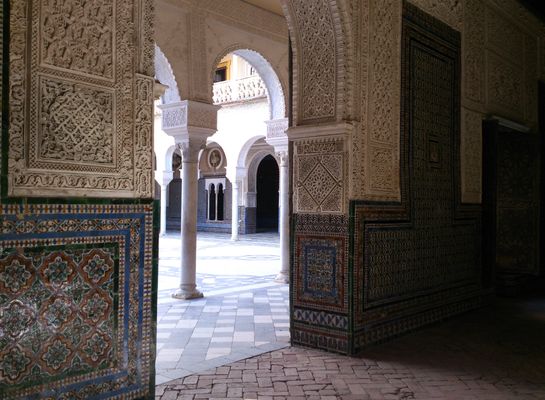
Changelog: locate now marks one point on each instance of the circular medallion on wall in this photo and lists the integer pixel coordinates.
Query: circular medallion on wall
(215, 159)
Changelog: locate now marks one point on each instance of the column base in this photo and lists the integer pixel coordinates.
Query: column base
(282, 278)
(184, 294)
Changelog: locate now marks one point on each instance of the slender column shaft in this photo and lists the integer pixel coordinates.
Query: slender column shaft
(188, 278)
(283, 225)
(164, 194)
(234, 211)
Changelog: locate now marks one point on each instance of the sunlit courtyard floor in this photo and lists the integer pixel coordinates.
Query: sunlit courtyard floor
(244, 312)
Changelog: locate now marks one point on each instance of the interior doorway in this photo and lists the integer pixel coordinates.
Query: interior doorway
(267, 195)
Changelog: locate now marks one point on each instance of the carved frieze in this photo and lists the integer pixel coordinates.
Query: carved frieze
(77, 119)
(319, 176)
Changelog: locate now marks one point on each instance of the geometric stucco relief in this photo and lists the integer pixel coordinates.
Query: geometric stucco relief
(317, 59)
(474, 62)
(77, 133)
(471, 159)
(319, 169)
(382, 148)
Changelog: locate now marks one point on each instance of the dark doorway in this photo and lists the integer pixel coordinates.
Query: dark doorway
(511, 207)
(267, 195)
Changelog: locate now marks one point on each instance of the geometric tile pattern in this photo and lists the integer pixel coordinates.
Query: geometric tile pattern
(74, 320)
(321, 318)
(419, 261)
(320, 281)
(58, 312)
(321, 272)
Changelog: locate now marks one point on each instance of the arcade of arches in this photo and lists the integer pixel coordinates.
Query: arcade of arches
(395, 210)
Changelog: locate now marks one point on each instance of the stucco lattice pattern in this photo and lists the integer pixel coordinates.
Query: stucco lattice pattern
(72, 90)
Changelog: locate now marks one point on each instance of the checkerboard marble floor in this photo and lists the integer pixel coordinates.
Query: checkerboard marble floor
(244, 312)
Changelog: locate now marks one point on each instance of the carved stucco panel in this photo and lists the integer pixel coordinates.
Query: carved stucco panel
(76, 135)
(505, 87)
(383, 106)
(78, 36)
(385, 30)
(448, 11)
(360, 130)
(317, 78)
(473, 48)
(384, 171)
(471, 156)
(504, 37)
(319, 175)
(76, 124)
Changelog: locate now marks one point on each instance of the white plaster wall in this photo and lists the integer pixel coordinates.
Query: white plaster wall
(237, 124)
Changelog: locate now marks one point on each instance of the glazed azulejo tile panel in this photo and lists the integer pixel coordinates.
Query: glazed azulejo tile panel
(75, 301)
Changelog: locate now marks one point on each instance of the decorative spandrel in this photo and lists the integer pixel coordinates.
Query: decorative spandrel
(79, 110)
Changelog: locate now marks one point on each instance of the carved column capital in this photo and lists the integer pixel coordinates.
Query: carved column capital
(277, 137)
(181, 117)
(190, 148)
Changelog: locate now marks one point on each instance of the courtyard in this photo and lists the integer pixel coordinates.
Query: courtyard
(243, 313)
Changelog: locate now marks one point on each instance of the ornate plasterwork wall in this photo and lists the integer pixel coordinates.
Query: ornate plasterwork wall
(381, 115)
(503, 51)
(78, 111)
(319, 174)
(322, 59)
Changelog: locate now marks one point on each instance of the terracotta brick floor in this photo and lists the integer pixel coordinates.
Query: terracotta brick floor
(494, 353)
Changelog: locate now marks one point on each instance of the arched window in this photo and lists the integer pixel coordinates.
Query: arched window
(216, 198)
(212, 202)
(220, 203)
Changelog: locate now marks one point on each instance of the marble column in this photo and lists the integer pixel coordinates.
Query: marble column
(276, 137)
(188, 277)
(235, 217)
(284, 217)
(167, 177)
(190, 123)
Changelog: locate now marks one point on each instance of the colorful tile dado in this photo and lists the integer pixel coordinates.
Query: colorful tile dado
(320, 272)
(419, 261)
(319, 294)
(75, 301)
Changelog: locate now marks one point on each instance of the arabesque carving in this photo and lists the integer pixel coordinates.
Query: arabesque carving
(78, 36)
(78, 116)
(317, 58)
